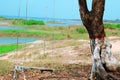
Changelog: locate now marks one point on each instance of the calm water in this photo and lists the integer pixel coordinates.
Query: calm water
(58, 22)
(10, 28)
(63, 22)
(12, 40)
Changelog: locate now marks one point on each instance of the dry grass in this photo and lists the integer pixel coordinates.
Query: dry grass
(57, 53)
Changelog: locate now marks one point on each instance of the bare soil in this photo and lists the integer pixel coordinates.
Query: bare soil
(70, 58)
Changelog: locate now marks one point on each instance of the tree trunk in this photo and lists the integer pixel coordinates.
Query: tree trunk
(102, 58)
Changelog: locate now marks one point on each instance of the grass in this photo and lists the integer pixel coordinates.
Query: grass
(39, 29)
(27, 22)
(10, 47)
(2, 18)
(112, 29)
(49, 33)
(112, 25)
(81, 30)
(59, 33)
(5, 67)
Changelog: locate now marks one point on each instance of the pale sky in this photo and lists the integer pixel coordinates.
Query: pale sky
(65, 9)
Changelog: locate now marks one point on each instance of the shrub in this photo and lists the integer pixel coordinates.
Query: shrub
(33, 22)
(27, 22)
(81, 30)
(112, 25)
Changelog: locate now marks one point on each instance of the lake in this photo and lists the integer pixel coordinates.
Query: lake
(58, 22)
(64, 22)
(10, 28)
(13, 40)
(49, 21)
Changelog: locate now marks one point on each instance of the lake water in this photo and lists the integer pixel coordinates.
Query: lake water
(10, 28)
(59, 22)
(13, 40)
(65, 22)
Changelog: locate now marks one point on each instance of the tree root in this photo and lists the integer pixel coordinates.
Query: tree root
(103, 61)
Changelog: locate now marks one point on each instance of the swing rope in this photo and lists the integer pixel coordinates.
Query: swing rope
(26, 9)
(19, 68)
(19, 11)
(53, 32)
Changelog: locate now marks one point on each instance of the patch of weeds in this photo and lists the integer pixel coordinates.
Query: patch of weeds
(5, 67)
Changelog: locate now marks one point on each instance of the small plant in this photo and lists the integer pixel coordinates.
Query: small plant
(81, 30)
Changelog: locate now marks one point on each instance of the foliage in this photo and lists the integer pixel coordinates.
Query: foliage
(9, 47)
(112, 25)
(27, 22)
(81, 30)
(2, 18)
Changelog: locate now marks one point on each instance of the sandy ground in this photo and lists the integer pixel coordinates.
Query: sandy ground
(58, 52)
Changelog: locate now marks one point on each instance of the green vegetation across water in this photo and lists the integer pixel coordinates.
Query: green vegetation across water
(48, 33)
(2, 18)
(112, 25)
(112, 29)
(58, 33)
(27, 22)
(9, 47)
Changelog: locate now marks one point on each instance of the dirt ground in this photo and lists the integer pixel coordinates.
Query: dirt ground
(71, 73)
(71, 57)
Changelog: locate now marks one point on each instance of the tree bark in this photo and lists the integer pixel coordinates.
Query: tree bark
(102, 58)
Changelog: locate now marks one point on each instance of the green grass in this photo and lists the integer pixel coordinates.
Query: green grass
(71, 32)
(68, 32)
(112, 25)
(9, 47)
(81, 30)
(112, 29)
(12, 31)
(27, 22)
(2, 18)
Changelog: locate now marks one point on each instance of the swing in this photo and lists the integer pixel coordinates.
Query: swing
(17, 68)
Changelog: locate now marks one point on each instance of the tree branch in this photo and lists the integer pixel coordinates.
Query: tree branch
(83, 5)
(83, 9)
(98, 8)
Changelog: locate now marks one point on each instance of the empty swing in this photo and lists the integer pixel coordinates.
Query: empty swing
(23, 68)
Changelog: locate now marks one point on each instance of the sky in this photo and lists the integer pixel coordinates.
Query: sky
(64, 9)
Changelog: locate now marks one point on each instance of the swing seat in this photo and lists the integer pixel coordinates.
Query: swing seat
(42, 69)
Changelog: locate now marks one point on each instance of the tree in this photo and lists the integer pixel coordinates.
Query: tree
(102, 58)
